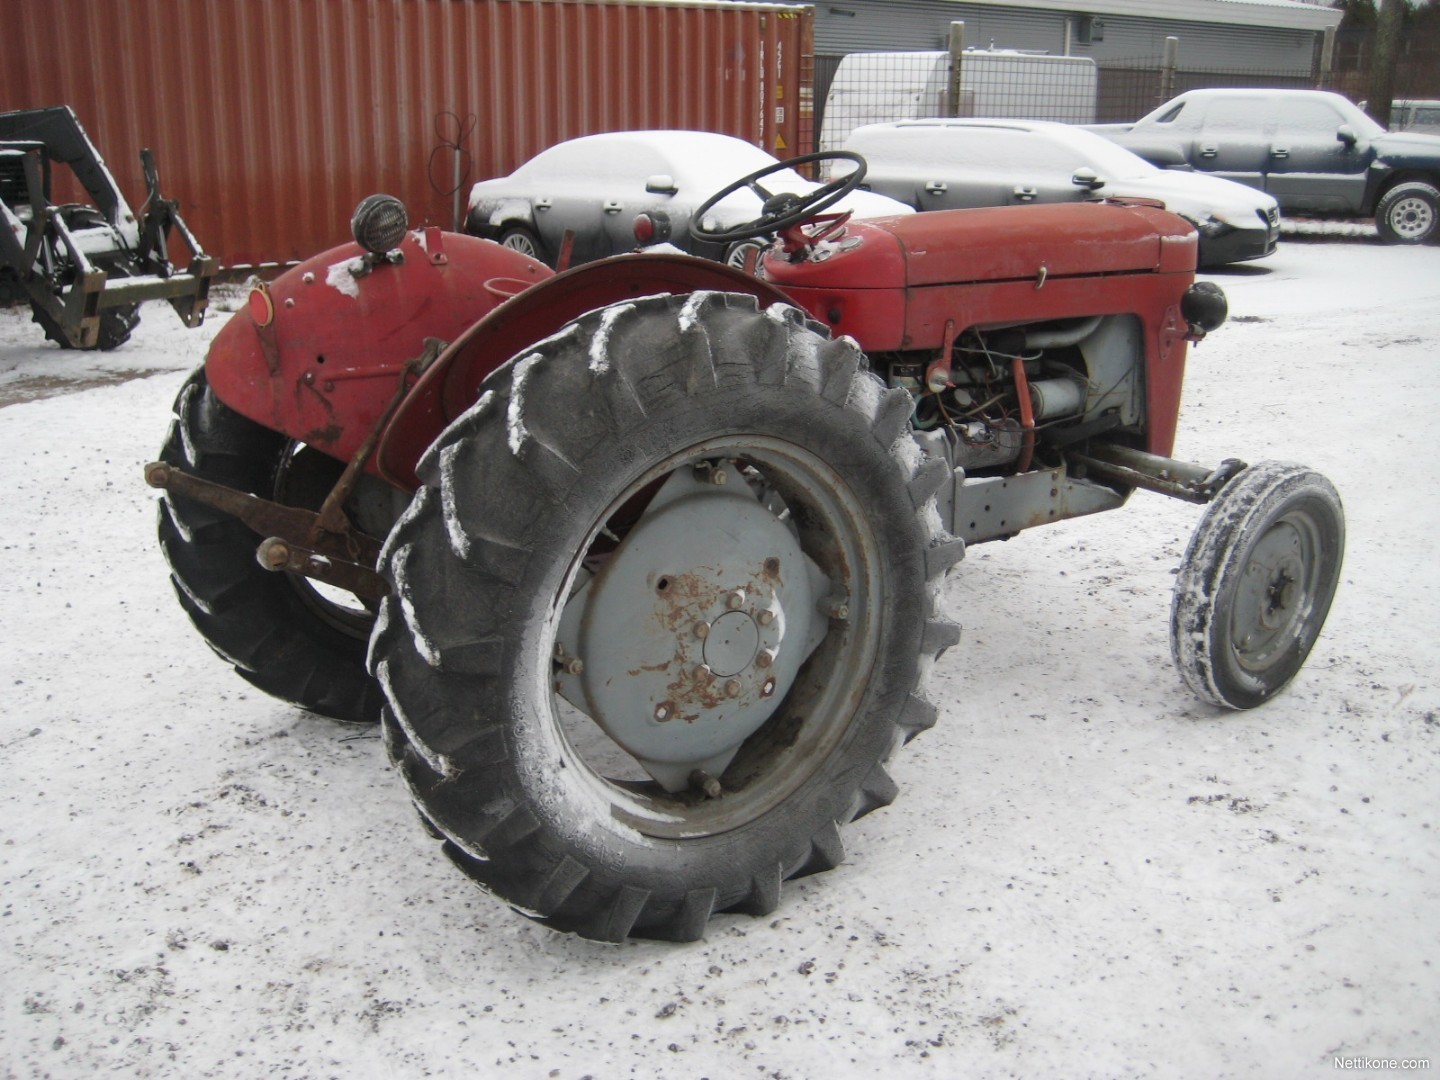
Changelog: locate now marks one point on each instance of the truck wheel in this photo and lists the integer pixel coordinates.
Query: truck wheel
(1409, 214)
(1256, 584)
(661, 614)
(302, 643)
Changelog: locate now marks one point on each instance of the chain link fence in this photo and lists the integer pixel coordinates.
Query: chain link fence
(884, 86)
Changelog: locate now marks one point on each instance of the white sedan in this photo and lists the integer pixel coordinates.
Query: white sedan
(598, 185)
(949, 164)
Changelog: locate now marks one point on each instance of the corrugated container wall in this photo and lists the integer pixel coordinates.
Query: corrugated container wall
(271, 119)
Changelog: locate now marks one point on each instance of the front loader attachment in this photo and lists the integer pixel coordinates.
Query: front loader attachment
(84, 268)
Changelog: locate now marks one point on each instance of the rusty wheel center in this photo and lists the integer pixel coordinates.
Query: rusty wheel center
(681, 663)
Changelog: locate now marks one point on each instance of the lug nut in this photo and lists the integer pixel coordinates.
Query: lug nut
(718, 477)
(273, 554)
(702, 630)
(735, 600)
(766, 658)
(733, 688)
(765, 617)
(705, 783)
(704, 674)
(575, 666)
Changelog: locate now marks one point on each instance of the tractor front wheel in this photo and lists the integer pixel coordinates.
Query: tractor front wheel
(660, 615)
(1256, 584)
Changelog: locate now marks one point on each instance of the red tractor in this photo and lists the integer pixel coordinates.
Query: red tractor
(637, 563)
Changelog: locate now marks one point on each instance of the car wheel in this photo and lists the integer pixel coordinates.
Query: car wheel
(519, 238)
(741, 251)
(1409, 214)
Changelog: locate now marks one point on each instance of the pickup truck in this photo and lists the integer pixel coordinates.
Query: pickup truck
(1314, 151)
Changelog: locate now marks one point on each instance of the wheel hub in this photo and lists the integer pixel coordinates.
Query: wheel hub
(694, 629)
(732, 643)
(1270, 605)
(1412, 217)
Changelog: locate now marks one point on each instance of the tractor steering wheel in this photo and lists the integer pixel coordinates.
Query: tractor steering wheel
(781, 209)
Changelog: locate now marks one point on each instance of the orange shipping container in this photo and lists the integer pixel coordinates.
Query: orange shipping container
(271, 119)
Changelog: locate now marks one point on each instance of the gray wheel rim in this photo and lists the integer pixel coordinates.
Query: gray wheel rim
(518, 241)
(738, 253)
(1412, 217)
(810, 718)
(1275, 598)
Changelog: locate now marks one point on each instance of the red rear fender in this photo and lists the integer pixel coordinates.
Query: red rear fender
(317, 353)
(452, 384)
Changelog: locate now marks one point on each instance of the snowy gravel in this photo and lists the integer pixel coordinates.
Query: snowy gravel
(1088, 873)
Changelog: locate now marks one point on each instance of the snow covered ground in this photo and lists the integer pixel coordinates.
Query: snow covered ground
(1088, 873)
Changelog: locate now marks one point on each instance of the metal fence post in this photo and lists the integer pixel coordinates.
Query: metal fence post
(1168, 65)
(1327, 58)
(957, 52)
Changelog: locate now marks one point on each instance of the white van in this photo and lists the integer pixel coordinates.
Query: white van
(881, 87)
(1415, 114)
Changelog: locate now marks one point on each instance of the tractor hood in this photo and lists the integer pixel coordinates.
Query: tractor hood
(891, 283)
(994, 244)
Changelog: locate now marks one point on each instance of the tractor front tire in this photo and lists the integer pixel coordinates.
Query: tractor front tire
(1256, 584)
(660, 614)
(281, 633)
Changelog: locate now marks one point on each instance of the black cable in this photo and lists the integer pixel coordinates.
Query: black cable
(463, 128)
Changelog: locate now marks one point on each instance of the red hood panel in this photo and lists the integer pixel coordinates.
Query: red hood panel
(1008, 243)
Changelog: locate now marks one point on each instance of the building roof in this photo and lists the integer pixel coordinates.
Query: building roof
(1285, 14)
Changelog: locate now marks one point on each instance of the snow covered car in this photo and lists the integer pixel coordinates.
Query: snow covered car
(598, 185)
(1313, 150)
(949, 164)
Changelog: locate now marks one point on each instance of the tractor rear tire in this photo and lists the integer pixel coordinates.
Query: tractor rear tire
(1256, 584)
(537, 499)
(280, 633)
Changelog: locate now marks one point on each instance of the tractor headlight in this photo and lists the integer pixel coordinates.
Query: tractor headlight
(1204, 306)
(379, 223)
